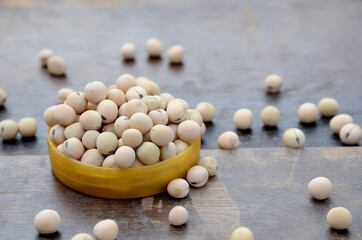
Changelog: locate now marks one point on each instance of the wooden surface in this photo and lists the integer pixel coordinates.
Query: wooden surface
(230, 47)
(263, 189)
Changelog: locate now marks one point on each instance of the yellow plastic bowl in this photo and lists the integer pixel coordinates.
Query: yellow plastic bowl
(118, 183)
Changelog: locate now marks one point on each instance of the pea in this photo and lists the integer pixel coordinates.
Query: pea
(122, 109)
(175, 54)
(243, 119)
(161, 135)
(168, 151)
(108, 111)
(74, 130)
(125, 82)
(109, 162)
(92, 157)
(203, 129)
(73, 148)
(135, 93)
(328, 107)
(82, 236)
(121, 124)
(117, 96)
(56, 65)
(270, 116)
(350, 134)
(151, 102)
(60, 148)
(181, 146)
(95, 92)
(124, 157)
(197, 176)
(148, 153)
(91, 120)
(44, 55)
(63, 93)
(167, 97)
(132, 138)
(64, 115)
(207, 111)
(188, 131)
(107, 143)
(174, 129)
(106, 230)
(135, 106)
(27, 127)
(178, 216)
(77, 101)
(294, 138)
(178, 188)
(8, 129)
(3, 97)
(141, 122)
(273, 83)
(339, 218)
(161, 103)
(308, 112)
(154, 47)
(176, 112)
(89, 139)
(338, 121)
(242, 233)
(210, 164)
(150, 86)
(128, 51)
(56, 134)
(158, 116)
(228, 140)
(47, 221)
(320, 188)
(192, 114)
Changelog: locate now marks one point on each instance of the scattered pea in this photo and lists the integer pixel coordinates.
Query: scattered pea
(64, 115)
(243, 119)
(141, 122)
(44, 55)
(338, 121)
(95, 92)
(92, 157)
(135, 93)
(74, 130)
(273, 83)
(328, 107)
(89, 139)
(270, 116)
(107, 143)
(188, 131)
(158, 116)
(82, 236)
(339, 218)
(350, 134)
(308, 112)
(132, 138)
(178, 216)
(56, 65)
(121, 124)
(176, 111)
(109, 162)
(77, 101)
(154, 47)
(63, 93)
(320, 188)
(135, 106)
(117, 96)
(175, 54)
(197, 176)
(106, 230)
(151, 102)
(294, 138)
(207, 111)
(181, 146)
(148, 153)
(128, 50)
(47, 221)
(192, 114)
(150, 87)
(3, 97)
(27, 127)
(124, 157)
(126, 81)
(161, 135)
(210, 164)
(228, 140)
(8, 129)
(108, 111)
(178, 188)
(242, 233)
(56, 134)
(73, 148)
(168, 151)
(91, 120)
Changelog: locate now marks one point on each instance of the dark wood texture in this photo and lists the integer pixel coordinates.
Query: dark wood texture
(263, 189)
(231, 46)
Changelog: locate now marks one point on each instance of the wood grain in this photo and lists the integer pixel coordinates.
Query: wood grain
(253, 188)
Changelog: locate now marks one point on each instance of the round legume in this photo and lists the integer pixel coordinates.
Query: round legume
(178, 216)
(178, 188)
(328, 107)
(8, 129)
(197, 176)
(339, 218)
(228, 140)
(350, 134)
(338, 121)
(47, 221)
(27, 127)
(106, 230)
(294, 138)
(92, 157)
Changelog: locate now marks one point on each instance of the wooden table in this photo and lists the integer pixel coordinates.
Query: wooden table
(231, 46)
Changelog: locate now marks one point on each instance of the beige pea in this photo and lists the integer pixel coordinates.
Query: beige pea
(91, 106)
(8, 129)
(63, 93)
(113, 86)
(122, 109)
(328, 107)
(82, 236)
(128, 51)
(136, 164)
(106, 230)
(167, 97)
(120, 142)
(181, 146)
(270, 116)
(176, 111)
(350, 134)
(74, 130)
(124, 157)
(125, 82)
(109, 162)
(3, 97)
(89, 139)
(77, 101)
(243, 119)
(108, 111)
(60, 148)
(168, 151)
(339, 218)
(95, 92)
(174, 126)
(293, 138)
(273, 83)
(56, 65)
(308, 112)
(92, 157)
(44, 55)
(151, 102)
(47, 221)
(161, 135)
(148, 153)
(27, 127)
(242, 233)
(107, 143)
(140, 79)
(228, 140)
(188, 131)
(117, 96)
(154, 47)
(132, 138)
(64, 115)
(150, 86)
(91, 120)
(338, 121)
(178, 188)
(203, 129)
(141, 121)
(210, 164)
(175, 54)
(135, 106)
(135, 93)
(109, 128)
(187, 106)
(73, 148)
(207, 111)
(192, 114)
(158, 116)
(121, 124)
(197, 176)
(320, 188)
(56, 134)
(178, 216)
(161, 103)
